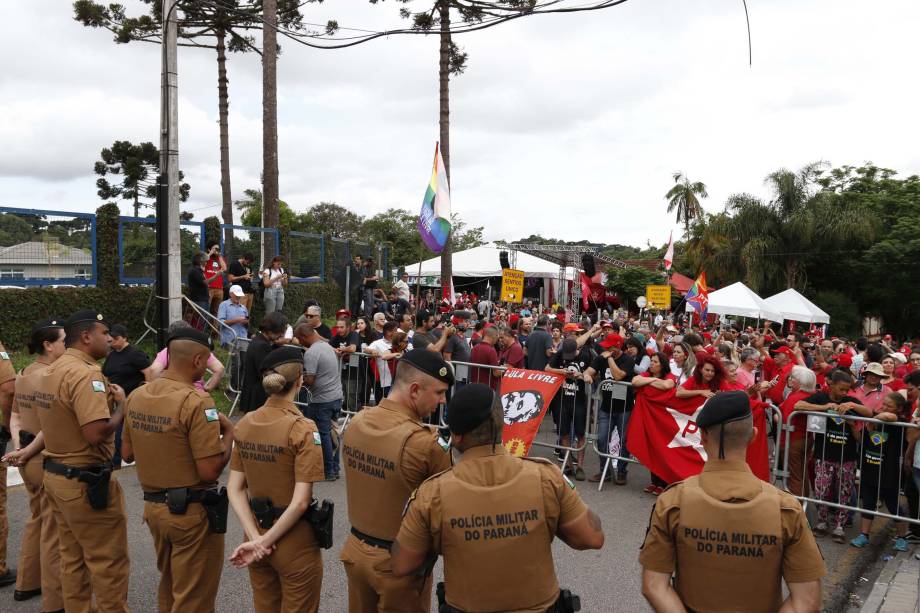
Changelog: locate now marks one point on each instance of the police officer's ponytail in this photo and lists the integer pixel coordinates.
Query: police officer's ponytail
(281, 379)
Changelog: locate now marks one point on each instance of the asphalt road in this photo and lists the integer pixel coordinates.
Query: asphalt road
(606, 580)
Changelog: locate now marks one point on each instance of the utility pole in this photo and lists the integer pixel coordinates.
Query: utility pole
(169, 283)
(447, 269)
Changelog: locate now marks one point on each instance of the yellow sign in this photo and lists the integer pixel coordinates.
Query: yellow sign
(512, 285)
(658, 296)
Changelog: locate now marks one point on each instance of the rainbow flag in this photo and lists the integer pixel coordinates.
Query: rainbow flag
(434, 220)
(698, 296)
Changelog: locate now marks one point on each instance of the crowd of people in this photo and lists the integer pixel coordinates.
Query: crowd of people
(400, 366)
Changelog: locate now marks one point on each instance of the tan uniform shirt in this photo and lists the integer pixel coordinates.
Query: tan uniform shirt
(24, 398)
(7, 372)
(277, 447)
(169, 425)
(387, 454)
(73, 393)
(493, 517)
(730, 537)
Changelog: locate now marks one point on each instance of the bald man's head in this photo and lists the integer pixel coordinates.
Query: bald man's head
(188, 358)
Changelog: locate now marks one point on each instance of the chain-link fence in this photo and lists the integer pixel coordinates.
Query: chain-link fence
(236, 241)
(40, 247)
(137, 247)
(306, 257)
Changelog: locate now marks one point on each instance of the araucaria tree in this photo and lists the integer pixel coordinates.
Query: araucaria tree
(137, 166)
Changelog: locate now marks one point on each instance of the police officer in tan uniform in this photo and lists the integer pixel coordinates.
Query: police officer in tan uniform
(729, 538)
(388, 452)
(493, 517)
(173, 431)
(277, 457)
(7, 384)
(79, 411)
(39, 555)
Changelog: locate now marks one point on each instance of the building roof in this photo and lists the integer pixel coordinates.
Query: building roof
(44, 253)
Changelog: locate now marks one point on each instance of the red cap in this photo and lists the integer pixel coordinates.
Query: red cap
(786, 351)
(611, 340)
(342, 313)
(513, 319)
(844, 360)
(887, 337)
(606, 324)
(571, 328)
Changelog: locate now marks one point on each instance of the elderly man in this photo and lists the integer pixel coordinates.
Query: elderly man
(234, 315)
(323, 378)
(402, 287)
(313, 315)
(802, 383)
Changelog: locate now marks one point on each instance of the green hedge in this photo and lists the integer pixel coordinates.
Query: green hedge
(127, 305)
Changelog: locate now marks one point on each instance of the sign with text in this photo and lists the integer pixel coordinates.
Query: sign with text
(658, 296)
(526, 395)
(512, 285)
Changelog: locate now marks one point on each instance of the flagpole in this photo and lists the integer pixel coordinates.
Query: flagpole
(418, 279)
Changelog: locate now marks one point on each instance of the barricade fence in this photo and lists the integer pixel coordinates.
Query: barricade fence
(846, 464)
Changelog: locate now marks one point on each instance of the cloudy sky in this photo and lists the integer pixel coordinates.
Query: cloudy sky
(568, 126)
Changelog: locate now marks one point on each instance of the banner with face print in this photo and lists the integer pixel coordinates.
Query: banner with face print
(526, 395)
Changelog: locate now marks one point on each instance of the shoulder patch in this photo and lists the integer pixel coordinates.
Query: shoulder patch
(4, 355)
(568, 482)
(98, 386)
(211, 414)
(317, 440)
(445, 445)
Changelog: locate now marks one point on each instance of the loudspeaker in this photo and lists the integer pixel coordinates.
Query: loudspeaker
(587, 262)
(503, 258)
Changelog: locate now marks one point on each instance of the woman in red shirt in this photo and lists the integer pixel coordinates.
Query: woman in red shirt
(708, 378)
(888, 366)
(658, 377)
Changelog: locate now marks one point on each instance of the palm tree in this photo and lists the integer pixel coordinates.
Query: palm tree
(684, 197)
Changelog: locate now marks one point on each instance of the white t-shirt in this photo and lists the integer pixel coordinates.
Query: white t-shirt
(274, 277)
(381, 346)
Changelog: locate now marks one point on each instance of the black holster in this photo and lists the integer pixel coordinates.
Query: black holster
(177, 500)
(567, 603)
(319, 515)
(5, 435)
(97, 480)
(25, 438)
(264, 511)
(216, 505)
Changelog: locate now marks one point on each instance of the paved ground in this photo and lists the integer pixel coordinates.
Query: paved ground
(606, 580)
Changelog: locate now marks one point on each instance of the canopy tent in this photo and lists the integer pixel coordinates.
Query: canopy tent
(796, 307)
(484, 262)
(738, 299)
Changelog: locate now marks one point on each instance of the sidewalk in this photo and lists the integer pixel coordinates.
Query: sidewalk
(898, 587)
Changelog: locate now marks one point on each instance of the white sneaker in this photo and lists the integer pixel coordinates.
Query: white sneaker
(820, 528)
(838, 534)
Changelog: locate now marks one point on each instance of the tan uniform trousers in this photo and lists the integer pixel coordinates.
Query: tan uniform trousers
(94, 546)
(4, 524)
(290, 579)
(39, 551)
(372, 586)
(190, 557)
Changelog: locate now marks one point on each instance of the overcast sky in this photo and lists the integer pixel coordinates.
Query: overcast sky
(568, 126)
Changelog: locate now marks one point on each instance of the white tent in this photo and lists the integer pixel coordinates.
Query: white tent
(484, 262)
(796, 307)
(738, 299)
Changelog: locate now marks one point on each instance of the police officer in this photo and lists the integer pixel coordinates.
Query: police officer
(79, 411)
(388, 452)
(7, 384)
(277, 457)
(39, 555)
(173, 431)
(493, 517)
(728, 537)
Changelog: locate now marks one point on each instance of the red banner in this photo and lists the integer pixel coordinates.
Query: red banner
(526, 395)
(663, 435)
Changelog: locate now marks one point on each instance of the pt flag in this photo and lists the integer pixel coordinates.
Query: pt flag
(434, 219)
(526, 395)
(663, 435)
(669, 254)
(698, 296)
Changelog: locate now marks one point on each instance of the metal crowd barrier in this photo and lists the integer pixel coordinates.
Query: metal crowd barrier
(850, 480)
(603, 438)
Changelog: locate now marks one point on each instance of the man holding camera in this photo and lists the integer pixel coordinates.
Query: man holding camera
(214, 270)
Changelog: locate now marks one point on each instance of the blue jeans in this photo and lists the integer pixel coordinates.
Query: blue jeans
(606, 422)
(322, 413)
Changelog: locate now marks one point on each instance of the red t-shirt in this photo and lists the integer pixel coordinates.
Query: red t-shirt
(775, 393)
(513, 356)
(787, 407)
(211, 267)
(896, 385)
(484, 353)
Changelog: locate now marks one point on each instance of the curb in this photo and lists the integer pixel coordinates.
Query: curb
(858, 562)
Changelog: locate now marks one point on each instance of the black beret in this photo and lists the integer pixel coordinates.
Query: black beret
(279, 356)
(53, 322)
(430, 363)
(469, 407)
(723, 408)
(190, 334)
(85, 315)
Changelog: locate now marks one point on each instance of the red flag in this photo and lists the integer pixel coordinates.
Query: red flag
(526, 395)
(669, 254)
(663, 435)
(585, 291)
